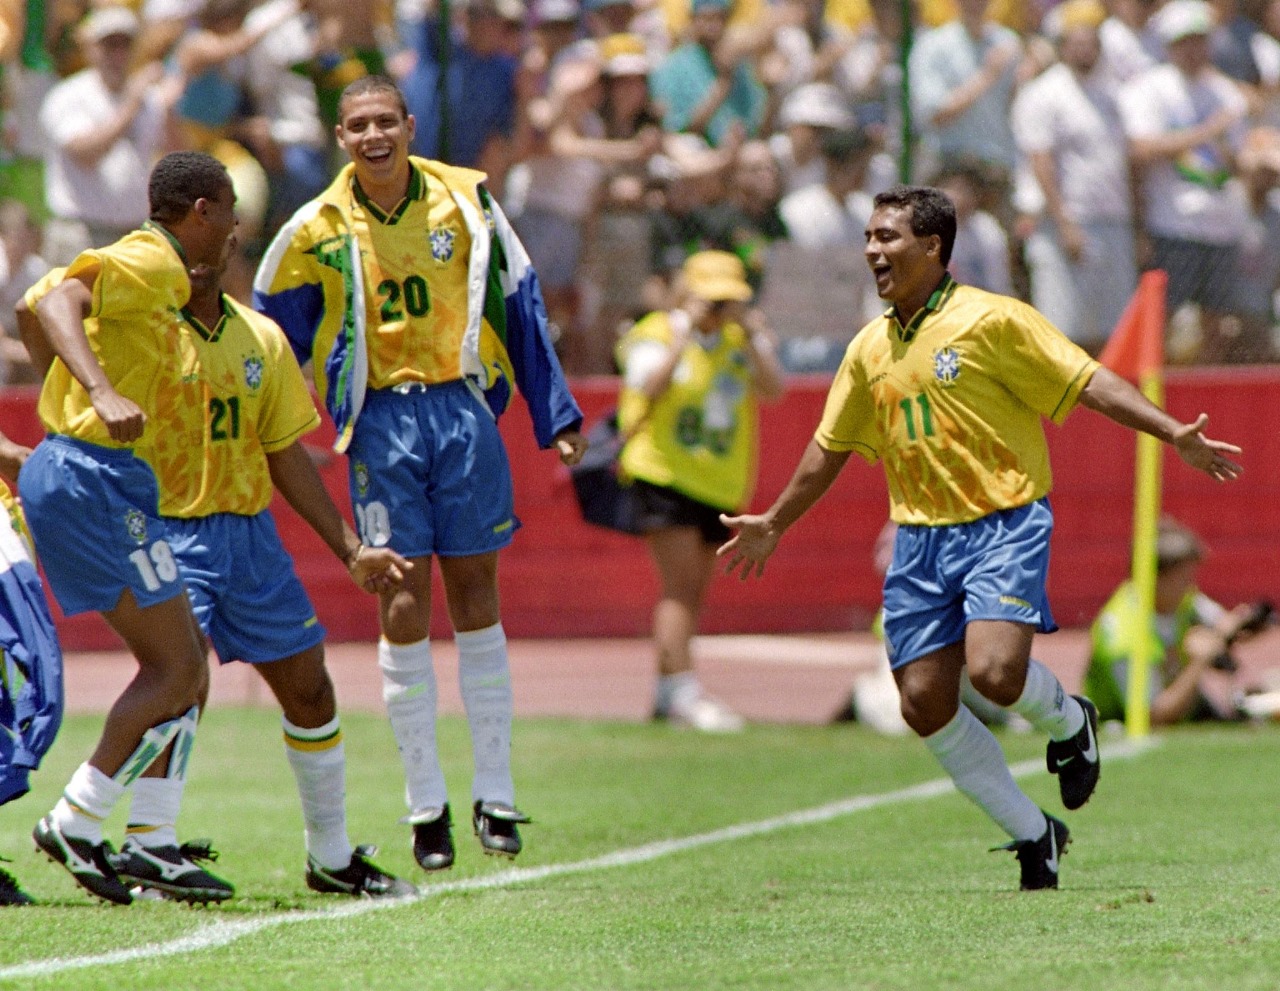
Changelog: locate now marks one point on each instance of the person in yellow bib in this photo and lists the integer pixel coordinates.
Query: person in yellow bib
(1194, 635)
(693, 377)
(948, 388)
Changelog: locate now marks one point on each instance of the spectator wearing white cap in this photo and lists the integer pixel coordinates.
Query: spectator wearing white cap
(834, 211)
(1081, 256)
(1185, 122)
(807, 113)
(104, 126)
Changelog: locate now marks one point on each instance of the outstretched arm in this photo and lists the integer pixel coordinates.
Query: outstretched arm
(757, 536)
(1107, 393)
(375, 569)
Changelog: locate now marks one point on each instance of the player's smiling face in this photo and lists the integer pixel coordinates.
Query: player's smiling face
(906, 267)
(375, 132)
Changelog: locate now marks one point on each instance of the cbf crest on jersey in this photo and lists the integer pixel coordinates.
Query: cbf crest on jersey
(135, 524)
(253, 372)
(361, 472)
(441, 241)
(946, 365)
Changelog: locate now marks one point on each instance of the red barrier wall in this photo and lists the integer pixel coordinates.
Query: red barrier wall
(562, 578)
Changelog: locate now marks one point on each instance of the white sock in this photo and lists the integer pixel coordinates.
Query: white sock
(319, 761)
(153, 811)
(971, 755)
(1046, 705)
(409, 690)
(86, 802)
(675, 690)
(485, 676)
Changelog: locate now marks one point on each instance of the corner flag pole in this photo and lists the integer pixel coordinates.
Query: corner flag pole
(1136, 351)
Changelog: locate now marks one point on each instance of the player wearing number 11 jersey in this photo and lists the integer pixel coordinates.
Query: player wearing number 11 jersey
(948, 389)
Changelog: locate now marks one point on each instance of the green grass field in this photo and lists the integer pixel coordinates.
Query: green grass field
(1172, 882)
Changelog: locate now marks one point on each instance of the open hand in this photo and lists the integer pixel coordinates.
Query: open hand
(748, 549)
(1200, 452)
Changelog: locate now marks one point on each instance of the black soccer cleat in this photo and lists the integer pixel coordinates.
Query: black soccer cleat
(433, 839)
(11, 892)
(1076, 761)
(495, 825)
(88, 863)
(361, 878)
(1039, 858)
(173, 871)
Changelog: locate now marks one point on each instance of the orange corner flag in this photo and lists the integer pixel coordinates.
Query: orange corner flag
(1136, 347)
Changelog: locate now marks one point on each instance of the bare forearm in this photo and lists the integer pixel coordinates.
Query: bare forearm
(817, 469)
(1107, 393)
(296, 478)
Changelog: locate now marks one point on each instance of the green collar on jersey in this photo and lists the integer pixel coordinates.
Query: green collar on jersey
(210, 335)
(416, 191)
(164, 232)
(946, 289)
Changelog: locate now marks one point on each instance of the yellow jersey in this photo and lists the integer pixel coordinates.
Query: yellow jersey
(952, 404)
(416, 275)
(700, 436)
(243, 396)
(140, 286)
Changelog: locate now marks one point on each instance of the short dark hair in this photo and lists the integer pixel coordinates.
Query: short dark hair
(373, 83)
(181, 178)
(845, 145)
(932, 212)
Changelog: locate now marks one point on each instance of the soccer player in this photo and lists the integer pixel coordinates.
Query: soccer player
(948, 388)
(30, 658)
(406, 287)
(92, 504)
(233, 433)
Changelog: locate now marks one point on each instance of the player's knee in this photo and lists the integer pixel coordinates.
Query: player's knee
(925, 710)
(1000, 680)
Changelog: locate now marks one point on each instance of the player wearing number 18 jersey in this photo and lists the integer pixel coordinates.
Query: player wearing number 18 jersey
(113, 325)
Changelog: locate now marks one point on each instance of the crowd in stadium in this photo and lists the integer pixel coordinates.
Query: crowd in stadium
(1081, 143)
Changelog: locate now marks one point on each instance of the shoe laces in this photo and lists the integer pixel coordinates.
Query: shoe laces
(199, 851)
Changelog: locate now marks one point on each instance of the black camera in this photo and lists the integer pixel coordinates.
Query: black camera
(1257, 617)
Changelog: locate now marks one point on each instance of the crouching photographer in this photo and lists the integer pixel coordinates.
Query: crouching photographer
(1194, 633)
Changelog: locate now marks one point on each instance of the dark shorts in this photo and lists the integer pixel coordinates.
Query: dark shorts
(660, 507)
(1199, 273)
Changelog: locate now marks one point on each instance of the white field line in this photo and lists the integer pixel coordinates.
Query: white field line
(224, 933)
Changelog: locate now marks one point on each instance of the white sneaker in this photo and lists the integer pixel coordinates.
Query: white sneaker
(705, 714)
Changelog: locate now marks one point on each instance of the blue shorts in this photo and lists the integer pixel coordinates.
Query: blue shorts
(429, 473)
(943, 577)
(244, 591)
(93, 513)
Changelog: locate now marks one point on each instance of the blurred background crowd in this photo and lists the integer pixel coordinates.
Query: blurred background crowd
(1082, 142)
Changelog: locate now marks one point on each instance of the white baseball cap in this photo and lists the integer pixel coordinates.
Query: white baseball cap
(1180, 19)
(106, 21)
(818, 105)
